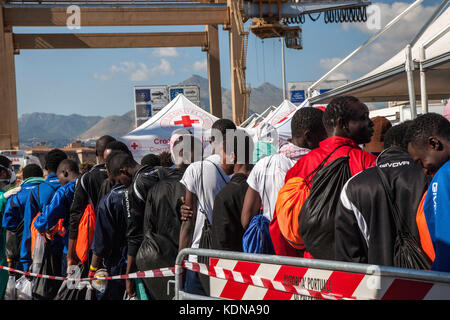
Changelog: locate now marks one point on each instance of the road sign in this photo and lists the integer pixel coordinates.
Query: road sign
(148, 100)
(192, 92)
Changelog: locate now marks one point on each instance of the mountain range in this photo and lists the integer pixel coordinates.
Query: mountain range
(58, 130)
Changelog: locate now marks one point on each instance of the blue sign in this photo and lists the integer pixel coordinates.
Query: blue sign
(324, 90)
(174, 92)
(297, 96)
(142, 95)
(149, 110)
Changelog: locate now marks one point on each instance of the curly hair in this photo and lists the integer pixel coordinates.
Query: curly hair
(117, 145)
(425, 126)
(307, 118)
(53, 158)
(150, 160)
(165, 159)
(339, 107)
(395, 136)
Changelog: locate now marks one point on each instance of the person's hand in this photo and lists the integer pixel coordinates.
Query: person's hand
(131, 288)
(70, 262)
(186, 211)
(11, 264)
(11, 192)
(50, 234)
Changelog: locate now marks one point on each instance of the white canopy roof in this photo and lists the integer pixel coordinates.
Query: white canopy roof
(284, 127)
(153, 136)
(280, 113)
(388, 81)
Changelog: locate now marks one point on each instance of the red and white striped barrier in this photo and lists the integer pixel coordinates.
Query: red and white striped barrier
(244, 281)
(253, 280)
(156, 273)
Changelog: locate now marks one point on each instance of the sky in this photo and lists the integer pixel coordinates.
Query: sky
(100, 81)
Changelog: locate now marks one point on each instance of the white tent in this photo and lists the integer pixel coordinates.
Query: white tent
(281, 113)
(389, 82)
(283, 127)
(153, 136)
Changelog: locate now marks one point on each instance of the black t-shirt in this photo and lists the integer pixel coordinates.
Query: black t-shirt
(227, 230)
(86, 191)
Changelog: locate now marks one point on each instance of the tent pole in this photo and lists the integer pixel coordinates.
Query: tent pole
(422, 56)
(364, 45)
(283, 68)
(423, 87)
(409, 66)
(423, 82)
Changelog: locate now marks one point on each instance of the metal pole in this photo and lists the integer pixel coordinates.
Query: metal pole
(283, 68)
(423, 82)
(433, 17)
(368, 42)
(422, 57)
(409, 66)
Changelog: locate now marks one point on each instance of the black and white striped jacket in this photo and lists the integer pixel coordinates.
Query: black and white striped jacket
(364, 228)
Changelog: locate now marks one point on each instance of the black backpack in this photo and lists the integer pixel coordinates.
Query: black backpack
(407, 251)
(316, 218)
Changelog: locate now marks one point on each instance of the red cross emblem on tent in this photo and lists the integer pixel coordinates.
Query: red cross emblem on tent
(186, 121)
(134, 145)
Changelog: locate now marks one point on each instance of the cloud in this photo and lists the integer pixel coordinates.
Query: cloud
(137, 71)
(201, 65)
(385, 46)
(125, 67)
(165, 52)
(101, 77)
(143, 72)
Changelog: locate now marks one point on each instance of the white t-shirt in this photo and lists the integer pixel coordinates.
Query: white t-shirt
(214, 179)
(267, 178)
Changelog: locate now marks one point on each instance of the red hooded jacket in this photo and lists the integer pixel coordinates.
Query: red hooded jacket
(359, 159)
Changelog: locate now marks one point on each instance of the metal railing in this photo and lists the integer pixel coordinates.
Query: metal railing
(442, 279)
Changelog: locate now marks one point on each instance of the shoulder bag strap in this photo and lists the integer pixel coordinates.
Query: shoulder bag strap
(392, 205)
(321, 164)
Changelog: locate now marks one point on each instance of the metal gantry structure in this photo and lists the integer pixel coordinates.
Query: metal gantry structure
(271, 18)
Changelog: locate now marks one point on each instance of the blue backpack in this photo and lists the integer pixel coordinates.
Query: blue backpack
(257, 238)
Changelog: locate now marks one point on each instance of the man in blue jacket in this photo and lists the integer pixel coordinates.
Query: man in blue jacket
(59, 207)
(43, 194)
(16, 218)
(429, 145)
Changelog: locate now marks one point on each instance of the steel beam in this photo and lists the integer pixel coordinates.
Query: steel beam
(215, 87)
(109, 40)
(9, 134)
(116, 15)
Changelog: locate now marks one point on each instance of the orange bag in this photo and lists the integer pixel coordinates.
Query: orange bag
(424, 234)
(58, 229)
(289, 203)
(85, 233)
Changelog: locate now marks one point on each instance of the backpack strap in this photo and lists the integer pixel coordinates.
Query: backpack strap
(308, 178)
(393, 208)
(203, 191)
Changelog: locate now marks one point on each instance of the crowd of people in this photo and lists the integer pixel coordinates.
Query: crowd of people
(345, 187)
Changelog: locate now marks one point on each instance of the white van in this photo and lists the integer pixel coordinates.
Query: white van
(20, 159)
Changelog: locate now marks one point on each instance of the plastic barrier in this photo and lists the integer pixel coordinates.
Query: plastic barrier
(156, 273)
(243, 276)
